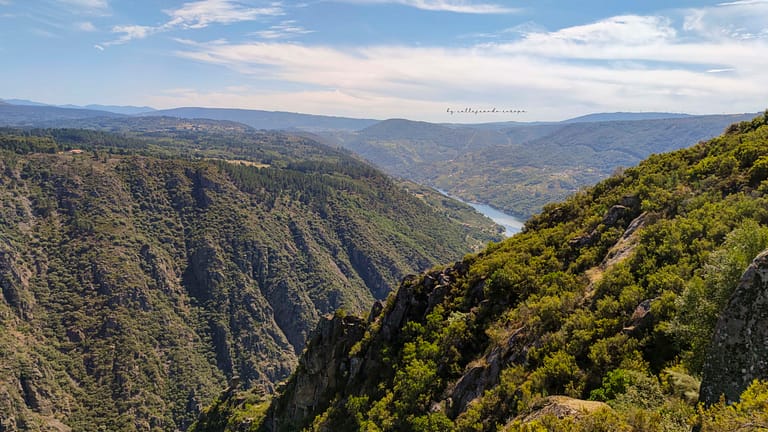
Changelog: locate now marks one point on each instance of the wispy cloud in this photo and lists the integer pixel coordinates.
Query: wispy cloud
(744, 20)
(285, 30)
(743, 2)
(130, 32)
(200, 14)
(457, 6)
(86, 26)
(645, 63)
(96, 6)
(195, 15)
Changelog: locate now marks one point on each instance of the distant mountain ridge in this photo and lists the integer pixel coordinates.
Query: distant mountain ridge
(515, 167)
(33, 115)
(117, 109)
(625, 116)
(522, 167)
(268, 119)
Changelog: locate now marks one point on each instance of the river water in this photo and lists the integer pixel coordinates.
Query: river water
(511, 224)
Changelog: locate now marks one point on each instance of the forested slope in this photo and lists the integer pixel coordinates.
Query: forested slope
(141, 270)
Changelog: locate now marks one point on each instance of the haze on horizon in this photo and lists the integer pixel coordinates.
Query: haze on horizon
(412, 59)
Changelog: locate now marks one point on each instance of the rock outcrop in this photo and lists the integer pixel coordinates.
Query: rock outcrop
(323, 368)
(739, 351)
(562, 407)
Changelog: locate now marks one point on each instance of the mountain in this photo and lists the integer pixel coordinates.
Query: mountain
(521, 168)
(33, 115)
(402, 146)
(24, 102)
(119, 109)
(601, 315)
(268, 119)
(142, 269)
(625, 116)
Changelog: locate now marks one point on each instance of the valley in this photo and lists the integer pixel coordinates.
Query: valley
(168, 273)
(383, 216)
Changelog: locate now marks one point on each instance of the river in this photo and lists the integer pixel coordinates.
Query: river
(511, 224)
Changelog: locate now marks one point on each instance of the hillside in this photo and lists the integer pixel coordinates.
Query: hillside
(600, 315)
(140, 270)
(117, 109)
(521, 168)
(268, 119)
(32, 115)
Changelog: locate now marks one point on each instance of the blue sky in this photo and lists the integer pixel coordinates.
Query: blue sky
(391, 58)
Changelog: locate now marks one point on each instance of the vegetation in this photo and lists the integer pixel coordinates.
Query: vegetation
(520, 168)
(610, 295)
(141, 268)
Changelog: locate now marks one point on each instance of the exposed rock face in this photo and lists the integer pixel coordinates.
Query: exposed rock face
(477, 379)
(641, 318)
(739, 351)
(562, 407)
(323, 368)
(328, 367)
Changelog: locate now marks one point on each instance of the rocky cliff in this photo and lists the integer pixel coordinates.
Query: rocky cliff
(739, 351)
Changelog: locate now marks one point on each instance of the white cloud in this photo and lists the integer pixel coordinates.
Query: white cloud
(195, 15)
(202, 13)
(93, 5)
(642, 63)
(284, 30)
(742, 20)
(624, 30)
(130, 32)
(743, 2)
(457, 6)
(86, 26)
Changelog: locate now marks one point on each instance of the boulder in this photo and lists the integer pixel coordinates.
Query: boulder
(739, 351)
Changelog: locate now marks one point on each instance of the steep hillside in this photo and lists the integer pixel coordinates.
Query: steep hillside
(612, 295)
(521, 168)
(139, 271)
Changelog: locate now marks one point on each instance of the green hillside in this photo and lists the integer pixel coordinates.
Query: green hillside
(142, 269)
(521, 168)
(598, 316)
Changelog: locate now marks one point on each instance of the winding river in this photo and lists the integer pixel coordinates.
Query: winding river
(511, 224)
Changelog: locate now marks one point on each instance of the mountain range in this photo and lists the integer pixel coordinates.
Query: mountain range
(515, 167)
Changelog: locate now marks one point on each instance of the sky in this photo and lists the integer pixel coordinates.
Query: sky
(463, 61)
